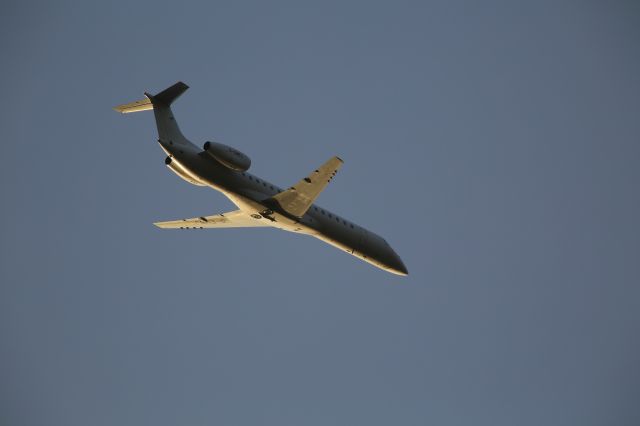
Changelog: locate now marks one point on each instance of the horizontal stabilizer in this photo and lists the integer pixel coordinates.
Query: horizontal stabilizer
(141, 105)
(234, 219)
(297, 199)
(166, 98)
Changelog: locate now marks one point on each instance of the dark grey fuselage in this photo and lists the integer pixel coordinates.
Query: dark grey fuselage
(253, 195)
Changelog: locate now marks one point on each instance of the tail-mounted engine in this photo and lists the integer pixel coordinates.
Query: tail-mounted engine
(227, 156)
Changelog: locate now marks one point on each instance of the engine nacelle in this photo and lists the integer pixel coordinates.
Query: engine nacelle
(181, 171)
(227, 156)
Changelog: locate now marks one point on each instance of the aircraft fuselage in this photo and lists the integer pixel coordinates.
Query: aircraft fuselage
(254, 196)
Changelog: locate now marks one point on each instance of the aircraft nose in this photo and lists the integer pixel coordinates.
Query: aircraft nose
(403, 269)
(398, 266)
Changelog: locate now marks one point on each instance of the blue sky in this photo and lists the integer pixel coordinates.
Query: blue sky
(494, 145)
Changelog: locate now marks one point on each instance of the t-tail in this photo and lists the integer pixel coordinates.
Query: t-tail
(161, 105)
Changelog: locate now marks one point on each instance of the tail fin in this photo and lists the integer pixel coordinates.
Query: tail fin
(166, 98)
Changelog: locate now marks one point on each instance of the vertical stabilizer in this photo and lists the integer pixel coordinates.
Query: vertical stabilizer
(167, 96)
(168, 130)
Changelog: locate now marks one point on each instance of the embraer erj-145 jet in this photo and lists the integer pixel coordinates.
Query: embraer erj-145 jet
(259, 202)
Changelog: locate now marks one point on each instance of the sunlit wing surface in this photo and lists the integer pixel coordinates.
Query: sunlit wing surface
(234, 219)
(297, 199)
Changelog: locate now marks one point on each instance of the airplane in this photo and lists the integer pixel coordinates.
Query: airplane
(260, 203)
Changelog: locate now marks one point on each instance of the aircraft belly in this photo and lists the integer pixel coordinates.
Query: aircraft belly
(355, 242)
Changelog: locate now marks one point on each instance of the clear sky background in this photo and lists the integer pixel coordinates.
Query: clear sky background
(495, 145)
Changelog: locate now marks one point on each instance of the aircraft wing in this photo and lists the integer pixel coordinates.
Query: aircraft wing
(297, 199)
(234, 219)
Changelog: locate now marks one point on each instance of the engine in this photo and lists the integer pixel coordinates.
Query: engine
(181, 171)
(227, 156)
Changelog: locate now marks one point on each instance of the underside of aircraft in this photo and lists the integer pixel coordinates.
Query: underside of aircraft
(260, 203)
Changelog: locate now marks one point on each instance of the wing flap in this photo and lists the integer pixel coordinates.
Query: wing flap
(297, 199)
(234, 219)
